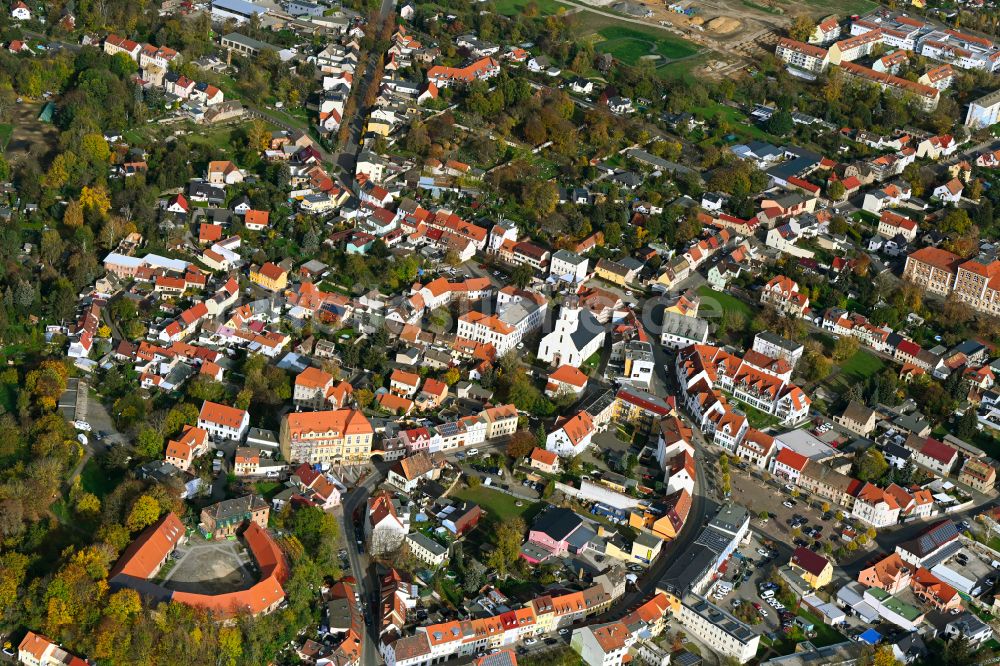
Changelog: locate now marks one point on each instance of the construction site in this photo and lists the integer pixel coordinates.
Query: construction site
(730, 33)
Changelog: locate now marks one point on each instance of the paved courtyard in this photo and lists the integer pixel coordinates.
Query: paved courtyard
(210, 567)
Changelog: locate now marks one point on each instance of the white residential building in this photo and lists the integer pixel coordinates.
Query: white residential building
(518, 313)
(572, 436)
(568, 266)
(223, 422)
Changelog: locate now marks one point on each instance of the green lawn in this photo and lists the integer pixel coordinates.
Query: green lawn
(845, 7)
(683, 69)
(716, 300)
(515, 7)
(629, 44)
(628, 41)
(738, 122)
(6, 130)
(499, 505)
(861, 366)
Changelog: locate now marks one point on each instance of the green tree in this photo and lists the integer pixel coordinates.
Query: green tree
(780, 123)
(801, 28)
(144, 513)
(836, 191)
(149, 444)
(521, 275)
(870, 465)
(508, 546)
(967, 424)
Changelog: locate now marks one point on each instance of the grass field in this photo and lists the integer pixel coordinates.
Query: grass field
(861, 366)
(713, 301)
(514, 7)
(6, 131)
(683, 69)
(629, 44)
(738, 122)
(499, 505)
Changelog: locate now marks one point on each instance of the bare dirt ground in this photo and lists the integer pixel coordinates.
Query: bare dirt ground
(210, 567)
(31, 137)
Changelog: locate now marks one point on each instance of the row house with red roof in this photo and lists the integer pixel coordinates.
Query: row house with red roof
(480, 70)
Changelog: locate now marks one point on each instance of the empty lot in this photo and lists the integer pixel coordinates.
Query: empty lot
(30, 136)
(210, 567)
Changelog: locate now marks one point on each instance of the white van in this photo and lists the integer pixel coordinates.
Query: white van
(472, 452)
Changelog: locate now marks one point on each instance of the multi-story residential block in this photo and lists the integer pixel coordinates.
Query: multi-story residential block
(568, 266)
(427, 550)
(961, 50)
(783, 293)
(858, 418)
(802, 56)
(246, 462)
(926, 97)
(829, 484)
(774, 346)
(703, 371)
(315, 389)
(984, 111)
(518, 312)
(854, 47)
(935, 455)
(756, 447)
(603, 645)
(342, 436)
(890, 573)
(480, 70)
(679, 331)
(890, 225)
(727, 635)
(827, 30)
(269, 276)
(933, 269)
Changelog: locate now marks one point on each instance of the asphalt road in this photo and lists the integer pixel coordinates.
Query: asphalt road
(348, 156)
(368, 590)
(702, 505)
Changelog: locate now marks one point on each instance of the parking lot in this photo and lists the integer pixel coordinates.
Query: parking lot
(790, 519)
(750, 567)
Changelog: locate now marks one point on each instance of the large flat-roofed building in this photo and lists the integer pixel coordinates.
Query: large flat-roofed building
(984, 111)
(727, 635)
(244, 45)
(237, 10)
